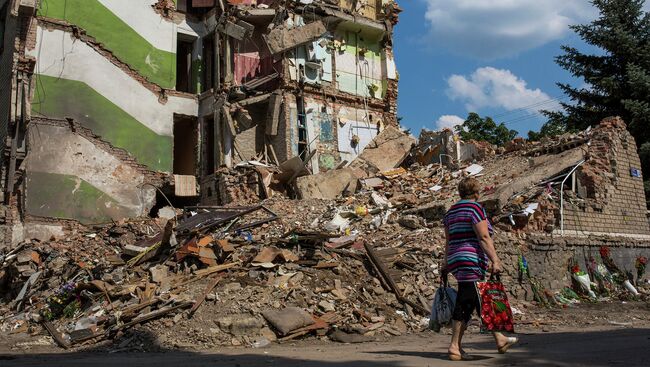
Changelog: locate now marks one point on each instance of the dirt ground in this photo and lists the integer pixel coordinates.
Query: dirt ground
(589, 335)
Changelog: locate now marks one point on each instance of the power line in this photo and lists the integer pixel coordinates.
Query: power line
(528, 107)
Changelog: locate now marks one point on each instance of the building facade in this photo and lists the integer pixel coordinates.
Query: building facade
(108, 104)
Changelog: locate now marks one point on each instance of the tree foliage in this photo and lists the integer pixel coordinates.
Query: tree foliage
(485, 129)
(617, 76)
(554, 126)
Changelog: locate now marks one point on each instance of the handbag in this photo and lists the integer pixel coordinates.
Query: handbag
(496, 314)
(442, 308)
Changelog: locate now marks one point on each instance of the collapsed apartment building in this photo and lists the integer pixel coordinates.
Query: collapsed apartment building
(111, 105)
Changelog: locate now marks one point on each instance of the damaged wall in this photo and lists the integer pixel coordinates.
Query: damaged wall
(70, 177)
(132, 30)
(609, 197)
(75, 81)
(9, 25)
(103, 94)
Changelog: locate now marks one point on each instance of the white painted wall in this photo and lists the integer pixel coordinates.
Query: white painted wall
(60, 55)
(353, 121)
(140, 16)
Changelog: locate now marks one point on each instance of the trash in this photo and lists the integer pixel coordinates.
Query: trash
(269, 254)
(338, 223)
(630, 287)
(531, 208)
(474, 169)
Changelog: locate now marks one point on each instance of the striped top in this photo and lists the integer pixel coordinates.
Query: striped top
(466, 259)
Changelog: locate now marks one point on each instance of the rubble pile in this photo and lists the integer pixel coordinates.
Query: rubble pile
(361, 265)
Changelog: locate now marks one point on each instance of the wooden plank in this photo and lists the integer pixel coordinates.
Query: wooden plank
(153, 315)
(205, 293)
(383, 271)
(58, 338)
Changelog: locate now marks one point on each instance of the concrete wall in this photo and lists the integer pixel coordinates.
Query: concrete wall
(331, 127)
(132, 30)
(115, 78)
(549, 257)
(359, 65)
(75, 81)
(70, 177)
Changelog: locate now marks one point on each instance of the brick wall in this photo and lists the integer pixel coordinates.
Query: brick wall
(609, 199)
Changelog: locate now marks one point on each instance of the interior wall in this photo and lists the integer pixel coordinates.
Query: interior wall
(185, 145)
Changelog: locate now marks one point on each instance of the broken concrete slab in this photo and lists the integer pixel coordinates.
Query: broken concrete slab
(158, 273)
(240, 324)
(327, 185)
(282, 39)
(273, 114)
(387, 151)
(541, 168)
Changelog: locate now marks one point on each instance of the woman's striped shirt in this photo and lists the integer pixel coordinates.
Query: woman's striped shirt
(466, 259)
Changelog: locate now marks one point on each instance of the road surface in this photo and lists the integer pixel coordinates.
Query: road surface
(611, 346)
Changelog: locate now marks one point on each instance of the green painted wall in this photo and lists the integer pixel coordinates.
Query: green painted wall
(69, 197)
(117, 36)
(348, 78)
(61, 98)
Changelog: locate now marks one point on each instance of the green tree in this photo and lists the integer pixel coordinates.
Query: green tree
(477, 128)
(554, 126)
(617, 77)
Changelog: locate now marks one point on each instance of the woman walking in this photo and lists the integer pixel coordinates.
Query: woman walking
(469, 246)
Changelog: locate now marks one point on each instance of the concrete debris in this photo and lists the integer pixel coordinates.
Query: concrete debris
(327, 185)
(306, 210)
(387, 151)
(282, 39)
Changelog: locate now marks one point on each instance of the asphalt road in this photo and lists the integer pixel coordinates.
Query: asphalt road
(614, 346)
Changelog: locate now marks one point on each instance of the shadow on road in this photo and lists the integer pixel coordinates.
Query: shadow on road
(591, 348)
(158, 356)
(626, 347)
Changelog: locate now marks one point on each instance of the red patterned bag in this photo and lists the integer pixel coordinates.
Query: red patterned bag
(496, 314)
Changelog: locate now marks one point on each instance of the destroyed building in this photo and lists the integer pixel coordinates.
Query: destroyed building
(110, 105)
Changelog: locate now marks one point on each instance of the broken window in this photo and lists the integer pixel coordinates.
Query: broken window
(185, 143)
(207, 80)
(184, 49)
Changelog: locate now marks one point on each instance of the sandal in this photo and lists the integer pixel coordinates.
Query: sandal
(504, 348)
(455, 357)
(463, 356)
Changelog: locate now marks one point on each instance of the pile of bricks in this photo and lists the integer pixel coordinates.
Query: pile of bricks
(242, 185)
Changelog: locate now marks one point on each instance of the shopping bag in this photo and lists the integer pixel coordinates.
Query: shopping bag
(496, 314)
(442, 308)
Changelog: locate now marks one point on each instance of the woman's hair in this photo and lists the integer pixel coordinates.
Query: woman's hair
(468, 188)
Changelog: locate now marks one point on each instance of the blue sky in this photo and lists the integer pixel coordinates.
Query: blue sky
(493, 57)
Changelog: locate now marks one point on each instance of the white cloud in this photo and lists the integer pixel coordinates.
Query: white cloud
(497, 88)
(449, 121)
(490, 29)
